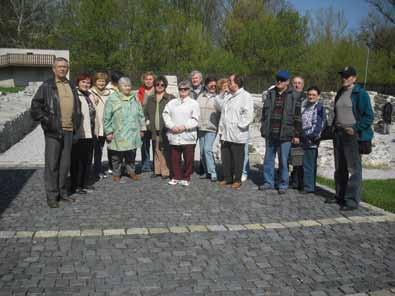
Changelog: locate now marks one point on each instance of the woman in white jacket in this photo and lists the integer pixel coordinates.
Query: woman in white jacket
(237, 111)
(181, 117)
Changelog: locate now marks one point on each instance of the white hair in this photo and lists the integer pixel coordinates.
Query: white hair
(196, 72)
(124, 80)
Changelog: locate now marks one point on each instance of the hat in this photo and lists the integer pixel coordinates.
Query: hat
(348, 71)
(282, 75)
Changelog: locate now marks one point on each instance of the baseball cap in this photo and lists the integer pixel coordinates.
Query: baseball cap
(348, 71)
(282, 75)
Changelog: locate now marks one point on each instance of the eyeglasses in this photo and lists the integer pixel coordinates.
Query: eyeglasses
(160, 84)
(212, 86)
(183, 89)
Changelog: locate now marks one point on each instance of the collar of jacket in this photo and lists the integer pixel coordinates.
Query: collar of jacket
(122, 97)
(184, 100)
(105, 92)
(239, 91)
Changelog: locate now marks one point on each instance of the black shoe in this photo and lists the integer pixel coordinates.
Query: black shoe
(81, 191)
(154, 176)
(67, 199)
(331, 200)
(89, 188)
(282, 191)
(307, 192)
(53, 204)
(165, 177)
(346, 208)
(265, 187)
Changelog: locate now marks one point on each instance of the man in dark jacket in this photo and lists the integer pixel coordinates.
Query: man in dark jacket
(353, 126)
(280, 125)
(387, 116)
(57, 107)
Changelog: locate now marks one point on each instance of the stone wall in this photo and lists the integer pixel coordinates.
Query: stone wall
(15, 120)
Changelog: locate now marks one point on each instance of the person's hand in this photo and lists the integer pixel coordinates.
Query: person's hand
(296, 141)
(349, 131)
(109, 138)
(174, 130)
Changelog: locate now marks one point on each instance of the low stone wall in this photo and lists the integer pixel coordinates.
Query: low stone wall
(15, 120)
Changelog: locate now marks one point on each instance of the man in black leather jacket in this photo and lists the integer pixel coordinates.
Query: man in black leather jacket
(56, 105)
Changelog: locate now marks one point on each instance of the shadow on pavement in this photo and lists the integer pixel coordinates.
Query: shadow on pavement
(11, 183)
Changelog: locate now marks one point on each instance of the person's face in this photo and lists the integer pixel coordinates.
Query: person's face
(84, 85)
(313, 96)
(159, 87)
(125, 89)
(298, 84)
(282, 84)
(225, 87)
(60, 69)
(196, 80)
(348, 81)
(212, 87)
(148, 81)
(184, 92)
(233, 87)
(101, 84)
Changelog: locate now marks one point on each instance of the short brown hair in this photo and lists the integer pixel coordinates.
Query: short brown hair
(100, 75)
(149, 73)
(221, 82)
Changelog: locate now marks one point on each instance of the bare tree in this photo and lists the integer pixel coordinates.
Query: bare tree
(385, 7)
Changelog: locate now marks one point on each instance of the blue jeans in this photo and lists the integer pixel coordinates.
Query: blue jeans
(272, 147)
(309, 169)
(145, 152)
(206, 141)
(246, 164)
(348, 169)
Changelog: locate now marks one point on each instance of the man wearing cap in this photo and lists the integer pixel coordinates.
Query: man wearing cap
(281, 125)
(353, 125)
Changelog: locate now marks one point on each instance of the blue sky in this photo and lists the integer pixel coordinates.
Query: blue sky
(354, 10)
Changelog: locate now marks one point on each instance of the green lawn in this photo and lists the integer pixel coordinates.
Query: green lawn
(380, 193)
(8, 90)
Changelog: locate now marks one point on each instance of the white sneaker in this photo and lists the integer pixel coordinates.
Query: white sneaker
(184, 183)
(173, 182)
(109, 172)
(244, 178)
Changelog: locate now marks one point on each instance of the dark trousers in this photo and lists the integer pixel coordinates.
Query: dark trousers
(109, 156)
(98, 145)
(348, 168)
(81, 160)
(232, 155)
(309, 169)
(127, 157)
(188, 153)
(145, 151)
(57, 165)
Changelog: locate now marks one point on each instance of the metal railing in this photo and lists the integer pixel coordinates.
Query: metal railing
(29, 60)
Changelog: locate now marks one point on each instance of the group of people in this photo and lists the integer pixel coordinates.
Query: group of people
(80, 119)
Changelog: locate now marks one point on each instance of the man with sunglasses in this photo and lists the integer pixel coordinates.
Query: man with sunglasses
(353, 125)
(281, 125)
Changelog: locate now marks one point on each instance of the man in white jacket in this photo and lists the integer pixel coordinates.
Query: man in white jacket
(181, 117)
(237, 114)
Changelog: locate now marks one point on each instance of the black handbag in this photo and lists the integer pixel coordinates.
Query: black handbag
(365, 147)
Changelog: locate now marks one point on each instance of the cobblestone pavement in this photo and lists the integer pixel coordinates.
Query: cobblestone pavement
(148, 238)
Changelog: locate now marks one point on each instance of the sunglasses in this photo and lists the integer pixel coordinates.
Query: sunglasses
(183, 89)
(160, 84)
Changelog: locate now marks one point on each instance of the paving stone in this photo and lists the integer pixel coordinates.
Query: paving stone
(158, 230)
(197, 228)
(91, 232)
(216, 228)
(272, 225)
(309, 223)
(178, 229)
(235, 227)
(69, 233)
(114, 231)
(131, 231)
(254, 226)
(45, 234)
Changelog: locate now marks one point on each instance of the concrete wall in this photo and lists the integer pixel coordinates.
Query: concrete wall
(23, 75)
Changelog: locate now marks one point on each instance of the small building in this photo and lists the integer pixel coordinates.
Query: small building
(20, 66)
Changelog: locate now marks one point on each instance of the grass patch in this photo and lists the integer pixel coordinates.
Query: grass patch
(8, 90)
(379, 193)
